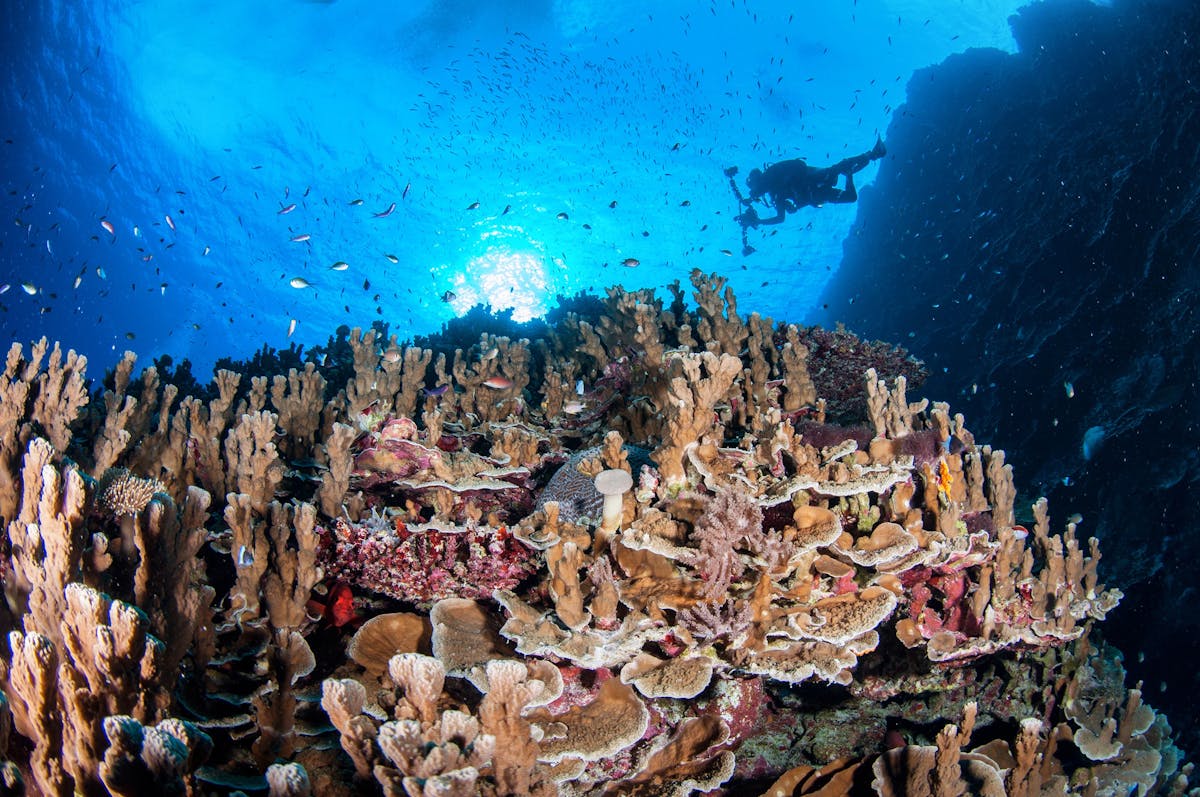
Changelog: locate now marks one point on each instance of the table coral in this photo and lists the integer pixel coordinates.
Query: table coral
(810, 568)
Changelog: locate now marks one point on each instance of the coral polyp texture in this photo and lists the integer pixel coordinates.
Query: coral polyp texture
(660, 550)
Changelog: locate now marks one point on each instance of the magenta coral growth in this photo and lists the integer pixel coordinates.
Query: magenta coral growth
(923, 446)
(730, 519)
(838, 359)
(710, 622)
(824, 435)
(939, 600)
(424, 566)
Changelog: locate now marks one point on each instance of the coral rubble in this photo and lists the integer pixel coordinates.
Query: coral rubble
(659, 551)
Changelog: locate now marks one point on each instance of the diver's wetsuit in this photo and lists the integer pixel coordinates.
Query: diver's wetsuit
(792, 184)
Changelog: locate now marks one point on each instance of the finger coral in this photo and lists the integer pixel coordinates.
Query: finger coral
(387, 569)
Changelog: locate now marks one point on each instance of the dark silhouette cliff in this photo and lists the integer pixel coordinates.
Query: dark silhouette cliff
(1034, 235)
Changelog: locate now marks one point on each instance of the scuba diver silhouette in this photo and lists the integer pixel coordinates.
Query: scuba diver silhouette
(790, 185)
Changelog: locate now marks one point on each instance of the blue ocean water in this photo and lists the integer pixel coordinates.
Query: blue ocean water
(446, 153)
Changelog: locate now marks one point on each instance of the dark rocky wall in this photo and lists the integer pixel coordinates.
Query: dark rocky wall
(1034, 233)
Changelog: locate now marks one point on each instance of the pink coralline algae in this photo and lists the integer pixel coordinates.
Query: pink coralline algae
(394, 461)
(423, 564)
(837, 360)
(949, 590)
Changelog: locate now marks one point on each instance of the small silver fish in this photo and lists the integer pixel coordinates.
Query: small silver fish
(29, 288)
(244, 557)
(299, 282)
(291, 327)
(341, 265)
(1067, 386)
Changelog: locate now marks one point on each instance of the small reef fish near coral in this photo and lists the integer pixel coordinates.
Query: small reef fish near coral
(660, 549)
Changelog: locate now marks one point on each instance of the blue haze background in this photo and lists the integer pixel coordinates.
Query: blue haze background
(220, 114)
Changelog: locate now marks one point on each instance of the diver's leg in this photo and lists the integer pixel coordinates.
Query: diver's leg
(849, 166)
(849, 194)
(824, 178)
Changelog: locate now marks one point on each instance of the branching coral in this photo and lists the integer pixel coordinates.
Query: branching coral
(689, 407)
(156, 759)
(47, 539)
(799, 523)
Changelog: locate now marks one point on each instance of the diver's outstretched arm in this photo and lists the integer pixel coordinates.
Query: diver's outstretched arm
(780, 215)
(750, 218)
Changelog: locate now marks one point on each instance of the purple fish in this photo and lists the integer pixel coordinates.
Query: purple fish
(440, 390)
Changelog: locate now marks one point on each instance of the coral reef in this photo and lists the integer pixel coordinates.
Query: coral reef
(619, 560)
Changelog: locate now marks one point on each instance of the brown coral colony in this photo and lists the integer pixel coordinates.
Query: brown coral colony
(661, 550)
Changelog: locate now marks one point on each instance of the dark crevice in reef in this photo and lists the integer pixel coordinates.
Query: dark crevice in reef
(1039, 218)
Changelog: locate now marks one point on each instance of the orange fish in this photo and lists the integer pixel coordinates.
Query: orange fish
(108, 226)
(336, 608)
(498, 383)
(341, 607)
